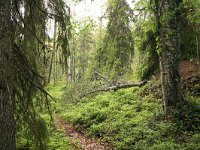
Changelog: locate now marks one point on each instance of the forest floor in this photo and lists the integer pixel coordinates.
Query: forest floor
(80, 140)
(129, 118)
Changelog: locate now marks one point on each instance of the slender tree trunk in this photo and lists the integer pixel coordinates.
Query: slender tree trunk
(71, 75)
(198, 55)
(53, 53)
(62, 63)
(44, 53)
(73, 61)
(50, 68)
(7, 125)
(56, 65)
(83, 56)
(65, 67)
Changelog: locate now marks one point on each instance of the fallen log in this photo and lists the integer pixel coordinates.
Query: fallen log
(117, 87)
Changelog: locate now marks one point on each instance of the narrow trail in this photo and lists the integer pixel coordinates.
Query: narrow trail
(79, 139)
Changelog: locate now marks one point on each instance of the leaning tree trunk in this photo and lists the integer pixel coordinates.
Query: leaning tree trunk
(7, 125)
(170, 55)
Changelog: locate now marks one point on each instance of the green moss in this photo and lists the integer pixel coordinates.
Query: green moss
(59, 141)
(128, 121)
(56, 90)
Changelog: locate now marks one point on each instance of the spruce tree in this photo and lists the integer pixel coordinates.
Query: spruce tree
(115, 54)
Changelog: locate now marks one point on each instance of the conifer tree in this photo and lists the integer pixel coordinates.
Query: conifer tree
(116, 52)
(22, 43)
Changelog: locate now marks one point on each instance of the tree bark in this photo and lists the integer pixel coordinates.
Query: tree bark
(53, 53)
(117, 87)
(170, 56)
(7, 123)
(197, 47)
(72, 72)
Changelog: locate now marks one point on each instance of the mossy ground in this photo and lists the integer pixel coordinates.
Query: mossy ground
(129, 121)
(56, 138)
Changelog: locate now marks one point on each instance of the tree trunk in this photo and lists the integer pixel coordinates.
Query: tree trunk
(169, 57)
(116, 87)
(7, 124)
(71, 75)
(53, 53)
(56, 65)
(50, 68)
(198, 55)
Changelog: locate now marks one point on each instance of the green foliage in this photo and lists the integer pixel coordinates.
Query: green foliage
(32, 134)
(84, 46)
(57, 90)
(193, 10)
(147, 47)
(129, 121)
(113, 116)
(145, 43)
(59, 141)
(28, 57)
(169, 145)
(115, 54)
(56, 140)
(190, 26)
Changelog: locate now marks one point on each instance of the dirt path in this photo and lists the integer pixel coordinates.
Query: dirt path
(79, 139)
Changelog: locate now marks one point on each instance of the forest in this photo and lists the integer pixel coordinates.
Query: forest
(99, 75)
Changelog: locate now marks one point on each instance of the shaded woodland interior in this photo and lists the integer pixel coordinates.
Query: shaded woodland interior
(100, 74)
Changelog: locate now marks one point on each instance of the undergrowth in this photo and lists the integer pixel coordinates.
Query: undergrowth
(132, 120)
(55, 138)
